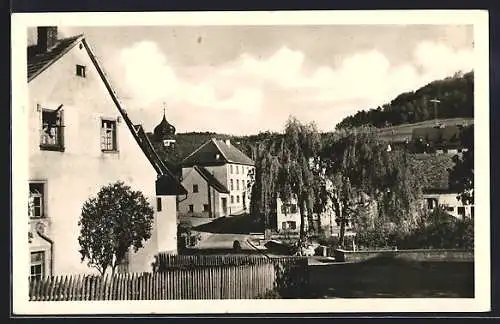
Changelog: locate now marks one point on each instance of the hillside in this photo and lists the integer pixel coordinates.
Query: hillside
(456, 96)
(403, 132)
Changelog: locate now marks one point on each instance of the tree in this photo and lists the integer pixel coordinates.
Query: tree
(298, 153)
(358, 170)
(111, 223)
(462, 174)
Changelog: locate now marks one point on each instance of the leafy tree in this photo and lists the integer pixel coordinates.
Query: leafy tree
(359, 171)
(462, 173)
(111, 223)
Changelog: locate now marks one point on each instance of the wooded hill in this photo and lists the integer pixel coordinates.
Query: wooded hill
(456, 96)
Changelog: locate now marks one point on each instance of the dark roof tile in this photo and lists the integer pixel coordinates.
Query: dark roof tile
(216, 152)
(38, 62)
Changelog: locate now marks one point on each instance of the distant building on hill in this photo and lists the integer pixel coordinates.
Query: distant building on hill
(441, 139)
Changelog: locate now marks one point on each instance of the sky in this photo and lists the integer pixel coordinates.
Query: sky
(247, 79)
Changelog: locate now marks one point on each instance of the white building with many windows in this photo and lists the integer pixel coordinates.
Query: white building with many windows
(81, 139)
(217, 176)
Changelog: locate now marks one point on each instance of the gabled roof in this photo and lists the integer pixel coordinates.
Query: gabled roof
(448, 136)
(39, 62)
(167, 182)
(211, 180)
(215, 152)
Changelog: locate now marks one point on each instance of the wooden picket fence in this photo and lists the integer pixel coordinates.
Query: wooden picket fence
(219, 278)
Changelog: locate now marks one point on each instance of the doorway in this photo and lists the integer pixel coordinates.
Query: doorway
(224, 206)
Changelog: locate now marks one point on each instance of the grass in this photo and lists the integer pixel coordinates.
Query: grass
(386, 277)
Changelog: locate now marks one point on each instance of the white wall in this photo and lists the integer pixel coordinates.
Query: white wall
(241, 175)
(191, 177)
(82, 169)
(449, 200)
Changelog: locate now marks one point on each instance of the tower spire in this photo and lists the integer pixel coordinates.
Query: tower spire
(164, 110)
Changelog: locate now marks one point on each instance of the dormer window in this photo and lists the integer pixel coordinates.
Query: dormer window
(80, 70)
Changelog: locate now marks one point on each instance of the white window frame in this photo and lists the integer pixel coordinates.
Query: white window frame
(43, 199)
(104, 137)
(40, 263)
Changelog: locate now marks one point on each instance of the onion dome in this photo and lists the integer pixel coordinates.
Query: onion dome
(164, 129)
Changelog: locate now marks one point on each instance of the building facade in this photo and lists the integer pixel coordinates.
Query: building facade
(81, 139)
(448, 201)
(217, 177)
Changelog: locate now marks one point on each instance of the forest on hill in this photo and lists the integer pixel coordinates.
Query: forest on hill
(456, 96)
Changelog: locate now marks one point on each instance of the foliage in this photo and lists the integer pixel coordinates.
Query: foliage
(436, 230)
(283, 170)
(360, 173)
(111, 223)
(462, 173)
(456, 95)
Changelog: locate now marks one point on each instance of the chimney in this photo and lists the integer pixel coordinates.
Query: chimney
(228, 142)
(47, 38)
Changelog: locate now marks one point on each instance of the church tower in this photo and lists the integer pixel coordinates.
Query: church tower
(164, 132)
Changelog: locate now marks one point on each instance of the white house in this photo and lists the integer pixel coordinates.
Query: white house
(80, 139)
(448, 200)
(207, 197)
(216, 176)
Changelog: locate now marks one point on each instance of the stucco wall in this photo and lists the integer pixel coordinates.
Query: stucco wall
(449, 200)
(192, 177)
(241, 175)
(82, 169)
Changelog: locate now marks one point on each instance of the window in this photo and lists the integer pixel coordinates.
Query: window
(80, 70)
(158, 204)
(243, 184)
(191, 208)
(450, 208)
(108, 135)
(461, 211)
(232, 199)
(37, 266)
(292, 225)
(237, 169)
(237, 184)
(205, 208)
(430, 203)
(36, 200)
(289, 208)
(51, 137)
(231, 168)
(195, 188)
(237, 199)
(283, 225)
(232, 187)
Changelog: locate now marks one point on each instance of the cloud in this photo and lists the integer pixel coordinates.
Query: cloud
(268, 89)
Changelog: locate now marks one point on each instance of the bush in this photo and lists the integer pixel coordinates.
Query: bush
(438, 230)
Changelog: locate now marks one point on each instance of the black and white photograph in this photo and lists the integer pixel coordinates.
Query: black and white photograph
(246, 162)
